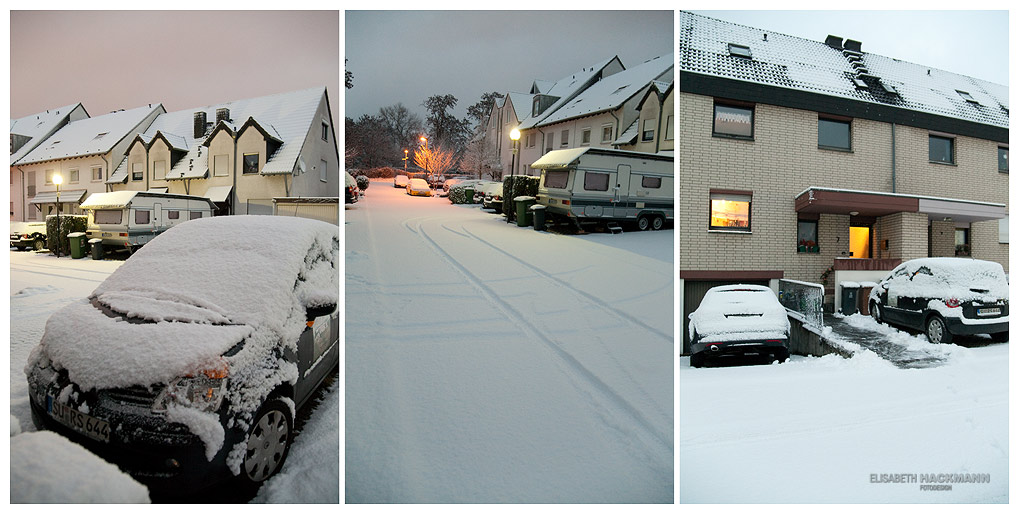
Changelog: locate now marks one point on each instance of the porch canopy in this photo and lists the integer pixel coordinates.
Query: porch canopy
(69, 196)
(825, 200)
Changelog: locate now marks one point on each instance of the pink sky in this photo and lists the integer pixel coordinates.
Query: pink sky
(110, 60)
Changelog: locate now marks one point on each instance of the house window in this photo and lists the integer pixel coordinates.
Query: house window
(49, 177)
(97, 173)
(323, 171)
(651, 182)
(325, 131)
(730, 211)
(606, 134)
(530, 140)
(733, 121)
(942, 149)
(806, 236)
(31, 185)
(195, 215)
(173, 215)
(72, 176)
(250, 163)
(141, 217)
(564, 138)
(968, 97)
(556, 179)
(1003, 159)
(221, 165)
(585, 136)
(159, 170)
(668, 129)
(596, 181)
(833, 134)
(548, 143)
(962, 242)
(648, 134)
(137, 170)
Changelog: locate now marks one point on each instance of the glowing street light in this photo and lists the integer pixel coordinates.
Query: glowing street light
(58, 179)
(515, 137)
(405, 161)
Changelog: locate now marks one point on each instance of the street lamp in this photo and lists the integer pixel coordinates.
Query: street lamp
(515, 136)
(405, 161)
(428, 160)
(57, 179)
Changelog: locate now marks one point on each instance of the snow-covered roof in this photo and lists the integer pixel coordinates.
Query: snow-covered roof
(112, 200)
(284, 116)
(38, 126)
(611, 92)
(521, 103)
(90, 136)
(565, 89)
(813, 66)
(629, 134)
(559, 158)
(218, 193)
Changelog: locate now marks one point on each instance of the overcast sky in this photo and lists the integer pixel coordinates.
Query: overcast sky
(110, 60)
(972, 43)
(407, 56)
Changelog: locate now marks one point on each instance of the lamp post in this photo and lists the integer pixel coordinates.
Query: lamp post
(404, 161)
(428, 159)
(57, 179)
(515, 136)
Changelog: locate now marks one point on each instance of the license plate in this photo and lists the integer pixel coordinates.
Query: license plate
(92, 427)
(989, 312)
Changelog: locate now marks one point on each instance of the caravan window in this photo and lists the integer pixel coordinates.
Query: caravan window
(596, 181)
(557, 179)
(196, 214)
(173, 215)
(108, 217)
(651, 182)
(141, 217)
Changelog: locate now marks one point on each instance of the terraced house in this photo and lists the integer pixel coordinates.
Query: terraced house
(26, 134)
(815, 160)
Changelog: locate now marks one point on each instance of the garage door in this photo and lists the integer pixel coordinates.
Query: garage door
(693, 293)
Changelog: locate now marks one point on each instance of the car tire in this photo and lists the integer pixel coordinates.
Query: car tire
(875, 311)
(781, 355)
(268, 440)
(1000, 337)
(937, 331)
(39, 245)
(643, 223)
(697, 360)
(657, 223)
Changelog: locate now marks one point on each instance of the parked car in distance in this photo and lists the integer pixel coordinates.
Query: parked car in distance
(493, 196)
(28, 234)
(418, 187)
(944, 297)
(400, 181)
(738, 319)
(479, 189)
(350, 191)
(449, 182)
(186, 366)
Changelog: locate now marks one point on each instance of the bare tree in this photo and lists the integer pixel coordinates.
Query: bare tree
(403, 126)
(435, 159)
(473, 159)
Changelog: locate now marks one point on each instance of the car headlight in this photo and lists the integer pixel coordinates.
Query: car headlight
(202, 391)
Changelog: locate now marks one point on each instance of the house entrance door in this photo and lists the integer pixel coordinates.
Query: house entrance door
(859, 242)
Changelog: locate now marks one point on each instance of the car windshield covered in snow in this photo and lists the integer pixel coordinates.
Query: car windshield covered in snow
(196, 339)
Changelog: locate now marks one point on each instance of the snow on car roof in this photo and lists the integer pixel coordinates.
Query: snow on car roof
(964, 279)
(739, 311)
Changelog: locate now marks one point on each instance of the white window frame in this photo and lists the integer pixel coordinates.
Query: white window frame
(603, 138)
(585, 134)
(323, 174)
(100, 174)
(137, 174)
(49, 177)
(669, 130)
(216, 165)
(564, 138)
(156, 175)
(72, 176)
(644, 130)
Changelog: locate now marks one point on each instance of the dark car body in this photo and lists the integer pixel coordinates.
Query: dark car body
(26, 235)
(350, 192)
(251, 387)
(738, 320)
(944, 297)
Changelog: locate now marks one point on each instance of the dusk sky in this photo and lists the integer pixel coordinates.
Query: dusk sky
(407, 56)
(110, 60)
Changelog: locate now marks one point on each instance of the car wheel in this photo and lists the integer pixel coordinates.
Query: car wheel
(937, 331)
(643, 223)
(875, 311)
(657, 223)
(269, 441)
(1000, 337)
(781, 355)
(39, 245)
(697, 360)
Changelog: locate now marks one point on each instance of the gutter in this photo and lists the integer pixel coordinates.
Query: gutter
(893, 157)
(233, 190)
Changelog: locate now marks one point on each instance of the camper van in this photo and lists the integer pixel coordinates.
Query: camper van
(602, 184)
(129, 219)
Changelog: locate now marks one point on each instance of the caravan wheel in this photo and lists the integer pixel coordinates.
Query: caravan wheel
(643, 222)
(657, 223)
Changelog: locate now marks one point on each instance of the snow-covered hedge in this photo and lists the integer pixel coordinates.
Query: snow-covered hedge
(457, 194)
(69, 223)
(362, 182)
(514, 186)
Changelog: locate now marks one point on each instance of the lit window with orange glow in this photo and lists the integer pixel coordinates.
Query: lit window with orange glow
(730, 212)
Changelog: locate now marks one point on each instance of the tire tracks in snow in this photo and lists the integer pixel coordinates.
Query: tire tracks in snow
(655, 441)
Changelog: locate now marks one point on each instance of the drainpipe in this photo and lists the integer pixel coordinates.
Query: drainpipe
(24, 194)
(106, 173)
(616, 131)
(661, 114)
(893, 157)
(233, 191)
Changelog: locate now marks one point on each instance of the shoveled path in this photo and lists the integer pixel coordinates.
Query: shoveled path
(878, 343)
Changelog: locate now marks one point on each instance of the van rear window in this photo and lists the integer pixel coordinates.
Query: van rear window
(108, 216)
(556, 179)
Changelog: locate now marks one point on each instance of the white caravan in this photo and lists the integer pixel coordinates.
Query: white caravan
(608, 185)
(132, 218)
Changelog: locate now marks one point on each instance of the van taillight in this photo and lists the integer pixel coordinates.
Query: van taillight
(566, 202)
(123, 234)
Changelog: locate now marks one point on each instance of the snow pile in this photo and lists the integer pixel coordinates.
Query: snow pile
(157, 306)
(205, 425)
(915, 343)
(739, 312)
(47, 468)
(15, 426)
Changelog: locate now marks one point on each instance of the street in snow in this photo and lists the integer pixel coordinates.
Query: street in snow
(487, 362)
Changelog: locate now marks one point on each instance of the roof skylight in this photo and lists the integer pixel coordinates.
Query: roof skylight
(966, 96)
(739, 51)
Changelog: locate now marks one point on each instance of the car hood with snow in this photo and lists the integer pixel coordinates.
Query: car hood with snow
(739, 312)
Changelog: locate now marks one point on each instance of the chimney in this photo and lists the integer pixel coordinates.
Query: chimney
(199, 124)
(854, 46)
(222, 114)
(834, 42)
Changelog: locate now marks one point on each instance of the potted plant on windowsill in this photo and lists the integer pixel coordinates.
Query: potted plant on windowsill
(812, 247)
(802, 248)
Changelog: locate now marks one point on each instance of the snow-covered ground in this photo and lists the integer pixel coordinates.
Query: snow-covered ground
(41, 284)
(492, 363)
(834, 430)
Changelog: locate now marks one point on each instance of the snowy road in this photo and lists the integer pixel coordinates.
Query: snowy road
(491, 363)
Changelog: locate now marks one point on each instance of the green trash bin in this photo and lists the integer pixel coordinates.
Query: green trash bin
(539, 216)
(523, 213)
(468, 195)
(97, 248)
(77, 242)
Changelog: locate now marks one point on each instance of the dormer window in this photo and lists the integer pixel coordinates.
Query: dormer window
(535, 105)
(739, 51)
(968, 97)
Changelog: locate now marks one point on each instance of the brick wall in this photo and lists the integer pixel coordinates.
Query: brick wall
(942, 239)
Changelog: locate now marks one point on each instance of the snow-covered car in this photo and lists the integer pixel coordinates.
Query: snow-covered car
(449, 182)
(28, 234)
(187, 365)
(493, 196)
(944, 297)
(350, 191)
(479, 189)
(738, 319)
(401, 181)
(418, 187)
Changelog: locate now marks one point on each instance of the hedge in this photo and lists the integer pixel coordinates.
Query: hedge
(68, 223)
(514, 186)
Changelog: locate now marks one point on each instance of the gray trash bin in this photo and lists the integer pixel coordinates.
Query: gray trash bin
(539, 216)
(850, 293)
(97, 248)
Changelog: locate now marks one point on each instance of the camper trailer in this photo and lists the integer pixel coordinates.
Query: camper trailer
(601, 184)
(128, 219)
